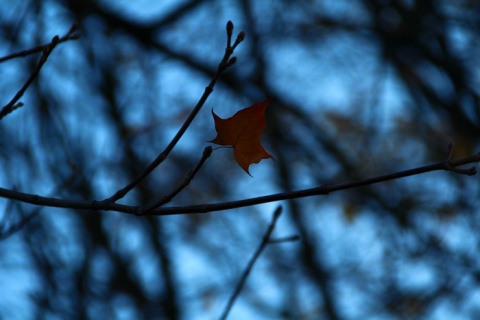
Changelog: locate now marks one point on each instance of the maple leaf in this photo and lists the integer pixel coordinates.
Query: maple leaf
(242, 131)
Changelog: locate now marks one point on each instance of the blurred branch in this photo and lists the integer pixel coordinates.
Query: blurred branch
(18, 226)
(251, 263)
(446, 165)
(295, 237)
(25, 219)
(47, 50)
(226, 62)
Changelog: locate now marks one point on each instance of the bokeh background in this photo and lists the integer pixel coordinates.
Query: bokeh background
(358, 88)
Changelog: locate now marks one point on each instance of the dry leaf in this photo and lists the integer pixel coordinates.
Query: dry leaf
(242, 132)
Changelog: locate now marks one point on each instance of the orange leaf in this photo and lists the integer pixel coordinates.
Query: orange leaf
(242, 132)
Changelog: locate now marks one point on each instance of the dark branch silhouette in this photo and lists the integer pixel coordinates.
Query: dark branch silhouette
(207, 152)
(47, 50)
(448, 165)
(251, 263)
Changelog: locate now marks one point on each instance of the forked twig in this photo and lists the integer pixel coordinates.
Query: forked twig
(226, 62)
(70, 35)
(207, 152)
(252, 261)
(47, 50)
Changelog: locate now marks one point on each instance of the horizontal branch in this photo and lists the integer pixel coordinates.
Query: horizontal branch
(204, 208)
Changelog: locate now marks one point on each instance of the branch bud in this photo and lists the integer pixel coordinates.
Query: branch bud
(229, 26)
(232, 61)
(240, 37)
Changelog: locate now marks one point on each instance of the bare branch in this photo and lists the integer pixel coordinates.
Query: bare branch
(47, 50)
(70, 35)
(205, 208)
(207, 152)
(222, 66)
(251, 263)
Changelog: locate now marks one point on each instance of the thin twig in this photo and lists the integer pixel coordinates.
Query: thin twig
(252, 261)
(212, 207)
(226, 62)
(68, 36)
(207, 152)
(47, 50)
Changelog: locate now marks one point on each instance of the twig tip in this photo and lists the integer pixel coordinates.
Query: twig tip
(241, 37)
(229, 26)
(278, 212)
